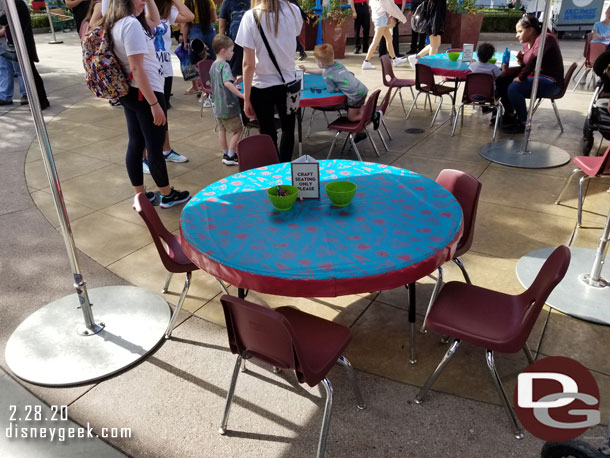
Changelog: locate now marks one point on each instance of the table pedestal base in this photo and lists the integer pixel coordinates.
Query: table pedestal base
(49, 347)
(539, 156)
(573, 296)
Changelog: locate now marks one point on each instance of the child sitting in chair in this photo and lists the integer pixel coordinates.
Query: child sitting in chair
(485, 52)
(339, 79)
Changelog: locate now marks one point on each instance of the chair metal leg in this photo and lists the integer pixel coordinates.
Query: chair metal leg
(455, 121)
(225, 417)
(581, 197)
(170, 326)
(332, 145)
(351, 138)
(393, 95)
(509, 410)
(565, 185)
(413, 105)
(368, 134)
(344, 143)
(385, 145)
(167, 280)
(536, 106)
(243, 365)
(448, 356)
(582, 66)
(438, 108)
(222, 286)
(328, 407)
(386, 128)
(528, 353)
(402, 102)
(435, 291)
(326, 117)
(557, 115)
(313, 112)
(352, 377)
(499, 114)
(463, 269)
(429, 100)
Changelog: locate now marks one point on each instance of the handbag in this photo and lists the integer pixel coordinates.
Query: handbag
(293, 89)
(189, 71)
(420, 21)
(8, 52)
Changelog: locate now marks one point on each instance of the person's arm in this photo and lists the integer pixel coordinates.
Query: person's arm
(136, 65)
(351, 4)
(152, 14)
(73, 3)
(402, 7)
(96, 16)
(231, 87)
(213, 15)
(313, 71)
(184, 30)
(184, 14)
(530, 65)
(248, 74)
(222, 26)
(596, 34)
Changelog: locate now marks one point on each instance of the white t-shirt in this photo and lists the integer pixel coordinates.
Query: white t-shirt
(283, 45)
(129, 38)
(163, 42)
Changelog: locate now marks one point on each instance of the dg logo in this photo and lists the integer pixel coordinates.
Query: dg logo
(557, 399)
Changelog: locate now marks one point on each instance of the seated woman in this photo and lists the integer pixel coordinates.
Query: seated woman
(601, 30)
(515, 84)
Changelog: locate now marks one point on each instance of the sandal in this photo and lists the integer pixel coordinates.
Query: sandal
(192, 91)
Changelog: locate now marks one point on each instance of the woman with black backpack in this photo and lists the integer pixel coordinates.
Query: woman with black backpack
(128, 30)
(433, 13)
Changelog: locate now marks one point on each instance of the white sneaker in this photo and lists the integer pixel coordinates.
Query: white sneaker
(366, 65)
(412, 60)
(207, 103)
(145, 167)
(172, 156)
(398, 61)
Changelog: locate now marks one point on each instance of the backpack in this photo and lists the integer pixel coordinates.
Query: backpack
(103, 73)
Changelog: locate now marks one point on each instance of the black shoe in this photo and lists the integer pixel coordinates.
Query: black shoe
(486, 110)
(44, 105)
(359, 137)
(357, 50)
(376, 119)
(508, 119)
(114, 103)
(303, 55)
(174, 198)
(516, 128)
(5, 102)
(24, 100)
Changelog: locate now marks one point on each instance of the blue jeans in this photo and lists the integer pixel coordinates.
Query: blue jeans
(7, 70)
(195, 32)
(518, 92)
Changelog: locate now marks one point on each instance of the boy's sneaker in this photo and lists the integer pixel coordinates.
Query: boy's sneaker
(302, 55)
(398, 61)
(376, 119)
(359, 137)
(412, 60)
(229, 160)
(172, 156)
(207, 103)
(366, 65)
(145, 167)
(174, 198)
(154, 197)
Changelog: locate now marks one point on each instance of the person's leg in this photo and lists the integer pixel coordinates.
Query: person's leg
(135, 145)
(519, 92)
(6, 80)
(414, 39)
(287, 123)
(435, 44)
(167, 90)
(264, 109)
(222, 139)
(376, 39)
(234, 139)
(396, 39)
(354, 114)
(421, 44)
(387, 34)
(42, 94)
(366, 24)
(502, 84)
(17, 71)
(357, 26)
(424, 52)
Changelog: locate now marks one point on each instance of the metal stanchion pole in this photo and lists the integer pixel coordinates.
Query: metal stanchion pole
(52, 346)
(526, 154)
(54, 41)
(594, 278)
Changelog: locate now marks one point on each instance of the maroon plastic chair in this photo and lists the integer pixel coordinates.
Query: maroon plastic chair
(325, 110)
(425, 84)
(390, 81)
(591, 52)
(256, 151)
(492, 320)
(342, 124)
(479, 90)
(382, 110)
(203, 67)
(466, 189)
(287, 338)
(170, 252)
(591, 167)
(567, 78)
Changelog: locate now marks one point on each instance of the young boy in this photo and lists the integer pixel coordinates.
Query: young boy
(485, 52)
(225, 96)
(339, 79)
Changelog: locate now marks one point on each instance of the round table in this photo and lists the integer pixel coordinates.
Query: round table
(442, 66)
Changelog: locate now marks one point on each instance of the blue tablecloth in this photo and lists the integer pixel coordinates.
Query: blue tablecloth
(442, 66)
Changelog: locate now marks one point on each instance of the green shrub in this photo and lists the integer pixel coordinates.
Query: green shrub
(39, 21)
(500, 22)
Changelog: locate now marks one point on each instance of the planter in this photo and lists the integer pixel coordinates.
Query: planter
(463, 28)
(335, 34)
(308, 35)
(39, 30)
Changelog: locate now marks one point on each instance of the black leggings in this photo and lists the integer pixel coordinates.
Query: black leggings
(167, 89)
(363, 20)
(144, 134)
(265, 103)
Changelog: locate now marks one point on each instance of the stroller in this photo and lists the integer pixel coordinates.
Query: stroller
(598, 116)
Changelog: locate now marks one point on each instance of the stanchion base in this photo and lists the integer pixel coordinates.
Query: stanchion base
(47, 349)
(540, 155)
(55, 42)
(572, 296)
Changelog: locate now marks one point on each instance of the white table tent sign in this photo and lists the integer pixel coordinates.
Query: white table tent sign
(306, 176)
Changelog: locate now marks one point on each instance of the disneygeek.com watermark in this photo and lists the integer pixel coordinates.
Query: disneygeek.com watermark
(38, 422)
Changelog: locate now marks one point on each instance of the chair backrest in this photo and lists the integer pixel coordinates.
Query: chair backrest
(479, 88)
(168, 245)
(466, 189)
(256, 151)
(585, 51)
(386, 101)
(533, 299)
(604, 168)
(387, 71)
(203, 67)
(369, 109)
(424, 78)
(566, 80)
(595, 50)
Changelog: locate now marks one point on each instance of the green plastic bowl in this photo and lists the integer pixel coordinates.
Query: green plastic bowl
(341, 193)
(453, 55)
(493, 60)
(283, 203)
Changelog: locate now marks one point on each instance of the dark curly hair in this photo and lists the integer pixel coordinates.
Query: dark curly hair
(485, 52)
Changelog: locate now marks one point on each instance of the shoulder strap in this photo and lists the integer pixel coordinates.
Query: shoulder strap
(260, 29)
